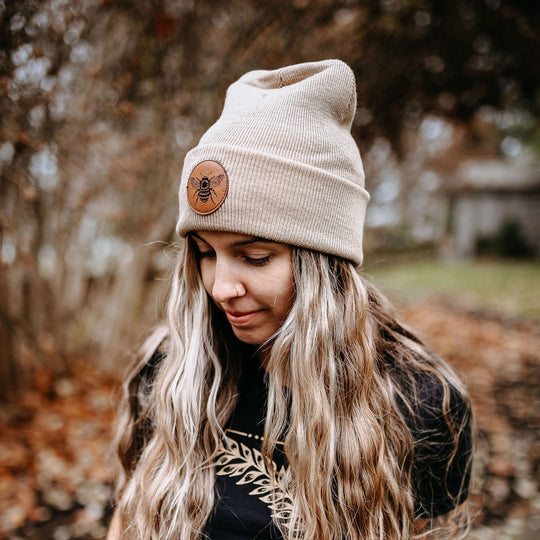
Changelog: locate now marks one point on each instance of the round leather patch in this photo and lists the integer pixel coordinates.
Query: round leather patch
(207, 187)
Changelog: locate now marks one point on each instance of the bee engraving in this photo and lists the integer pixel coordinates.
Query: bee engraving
(207, 187)
(204, 188)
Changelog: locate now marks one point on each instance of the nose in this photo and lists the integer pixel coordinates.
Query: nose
(227, 284)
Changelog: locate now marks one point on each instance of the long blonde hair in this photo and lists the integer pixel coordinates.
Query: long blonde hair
(341, 385)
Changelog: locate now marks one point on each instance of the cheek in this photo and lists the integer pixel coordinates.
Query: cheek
(206, 271)
(290, 294)
(285, 284)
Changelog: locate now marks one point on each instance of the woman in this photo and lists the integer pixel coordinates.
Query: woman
(283, 399)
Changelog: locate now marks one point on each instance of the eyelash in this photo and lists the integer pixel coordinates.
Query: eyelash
(263, 261)
(258, 262)
(204, 254)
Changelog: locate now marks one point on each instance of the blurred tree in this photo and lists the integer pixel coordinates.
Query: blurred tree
(414, 57)
(99, 100)
(446, 58)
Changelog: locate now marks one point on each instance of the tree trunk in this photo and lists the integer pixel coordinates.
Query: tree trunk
(9, 372)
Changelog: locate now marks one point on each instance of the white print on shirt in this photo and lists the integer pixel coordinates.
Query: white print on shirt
(238, 460)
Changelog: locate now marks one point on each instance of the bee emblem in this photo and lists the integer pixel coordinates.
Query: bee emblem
(204, 188)
(207, 187)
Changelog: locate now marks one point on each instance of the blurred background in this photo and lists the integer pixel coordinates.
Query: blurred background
(100, 100)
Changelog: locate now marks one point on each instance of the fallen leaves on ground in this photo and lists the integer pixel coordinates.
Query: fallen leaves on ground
(55, 457)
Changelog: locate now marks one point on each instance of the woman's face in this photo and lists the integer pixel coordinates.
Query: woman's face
(250, 279)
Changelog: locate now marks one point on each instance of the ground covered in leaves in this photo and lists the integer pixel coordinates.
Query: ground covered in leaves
(56, 467)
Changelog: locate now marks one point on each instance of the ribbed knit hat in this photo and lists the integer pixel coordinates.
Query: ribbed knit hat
(280, 163)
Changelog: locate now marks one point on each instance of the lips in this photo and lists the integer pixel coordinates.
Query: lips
(241, 318)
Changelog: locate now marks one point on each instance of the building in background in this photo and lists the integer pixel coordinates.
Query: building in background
(494, 208)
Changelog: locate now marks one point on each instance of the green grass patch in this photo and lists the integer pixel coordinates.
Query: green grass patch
(510, 288)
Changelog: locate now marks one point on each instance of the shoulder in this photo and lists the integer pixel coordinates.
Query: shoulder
(143, 371)
(427, 390)
(436, 399)
(150, 366)
(438, 414)
(135, 423)
(150, 354)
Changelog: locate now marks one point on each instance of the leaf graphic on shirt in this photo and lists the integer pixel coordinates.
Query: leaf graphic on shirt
(238, 460)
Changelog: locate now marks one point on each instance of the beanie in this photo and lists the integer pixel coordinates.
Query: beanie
(280, 163)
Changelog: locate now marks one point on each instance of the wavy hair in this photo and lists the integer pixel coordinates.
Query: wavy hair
(342, 385)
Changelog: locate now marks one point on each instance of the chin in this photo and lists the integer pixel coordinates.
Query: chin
(251, 338)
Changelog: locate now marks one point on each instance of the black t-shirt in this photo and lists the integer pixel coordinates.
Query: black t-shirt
(245, 501)
(246, 498)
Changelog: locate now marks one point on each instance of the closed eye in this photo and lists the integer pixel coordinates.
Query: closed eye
(262, 261)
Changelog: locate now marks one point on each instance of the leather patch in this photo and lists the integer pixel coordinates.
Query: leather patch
(207, 187)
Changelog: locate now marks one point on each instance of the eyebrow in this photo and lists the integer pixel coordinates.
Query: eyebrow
(251, 240)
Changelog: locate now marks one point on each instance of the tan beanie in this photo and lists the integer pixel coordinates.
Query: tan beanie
(280, 163)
